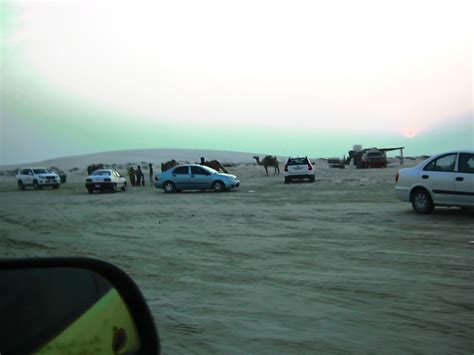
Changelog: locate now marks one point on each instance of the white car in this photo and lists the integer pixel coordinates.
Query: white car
(299, 169)
(445, 179)
(105, 179)
(37, 178)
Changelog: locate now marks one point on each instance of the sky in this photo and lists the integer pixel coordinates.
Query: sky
(277, 77)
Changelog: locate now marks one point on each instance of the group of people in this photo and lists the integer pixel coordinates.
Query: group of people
(137, 178)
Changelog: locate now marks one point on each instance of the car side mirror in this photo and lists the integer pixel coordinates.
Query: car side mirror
(72, 305)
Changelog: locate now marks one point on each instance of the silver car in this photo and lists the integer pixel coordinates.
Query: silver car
(446, 179)
(194, 177)
(37, 177)
(105, 179)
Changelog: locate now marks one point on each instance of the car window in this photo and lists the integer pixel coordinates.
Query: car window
(40, 171)
(466, 163)
(101, 173)
(444, 163)
(25, 171)
(197, 170)
(297, 161)
(181, 170)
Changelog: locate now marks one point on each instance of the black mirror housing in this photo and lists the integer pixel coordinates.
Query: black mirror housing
(46, 299)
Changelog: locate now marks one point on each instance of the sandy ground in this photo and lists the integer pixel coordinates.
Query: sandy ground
(337, 266)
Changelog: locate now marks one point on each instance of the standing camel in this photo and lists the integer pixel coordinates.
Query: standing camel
(214, 164)
(269, 161)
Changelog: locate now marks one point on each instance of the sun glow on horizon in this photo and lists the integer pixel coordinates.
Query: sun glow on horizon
(339, 69)
(410, 133)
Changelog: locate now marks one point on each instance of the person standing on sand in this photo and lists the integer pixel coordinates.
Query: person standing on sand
(140, 177)
(151, 174)
(132, 176)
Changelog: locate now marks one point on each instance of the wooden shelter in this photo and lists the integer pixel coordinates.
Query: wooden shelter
(391, 149)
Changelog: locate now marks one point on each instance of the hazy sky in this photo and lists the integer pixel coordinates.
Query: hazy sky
(279, 77)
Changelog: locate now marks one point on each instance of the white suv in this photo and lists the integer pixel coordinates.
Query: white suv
(298, 169)
(37, 178)
(445, 179)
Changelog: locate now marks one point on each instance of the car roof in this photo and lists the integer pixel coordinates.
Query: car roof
(468, 150)
(33, 167)
(177, 166)
(109, 170)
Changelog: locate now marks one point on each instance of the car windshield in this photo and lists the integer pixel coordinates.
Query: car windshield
(211, 170)
(374, 154)
(40, 171)
(101, 173)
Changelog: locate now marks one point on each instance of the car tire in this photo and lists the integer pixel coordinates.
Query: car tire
(421, 201)
(56, 186)
(35, 185)
(311, 178)
(114, 187)
(287, 180)
(21, 186)
(169, 187)
(90, 190)
(218, 186)
(124, 187)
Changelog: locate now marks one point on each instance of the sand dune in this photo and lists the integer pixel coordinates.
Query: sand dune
(154, 156)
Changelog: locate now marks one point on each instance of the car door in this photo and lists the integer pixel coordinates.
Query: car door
(201, 178)
(27, 175)
(464, 180)
(439, 175)
(181, 178)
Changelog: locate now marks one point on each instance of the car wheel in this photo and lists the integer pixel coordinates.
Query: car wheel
(114, 187)
(421, 201)
(169, 187)
(90, 190)
(218, 186)
(21, 186)
(124, 187)
(56, 186)
(35, 185)
(311, 178)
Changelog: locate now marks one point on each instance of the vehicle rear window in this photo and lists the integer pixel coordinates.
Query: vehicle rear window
(374, 154)
(297, 161)
(101, 173)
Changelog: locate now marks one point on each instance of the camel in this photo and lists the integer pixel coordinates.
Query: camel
(214, 164)
(94, 167)
(168, 165)
(269, 161)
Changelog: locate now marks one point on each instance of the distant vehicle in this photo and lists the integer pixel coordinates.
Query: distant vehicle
(373, 158)
(195, 177)
(446, 179)
(37, 178)
(299, 169)
(105, 179)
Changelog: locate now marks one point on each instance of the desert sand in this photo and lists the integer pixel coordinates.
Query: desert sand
(337, 266)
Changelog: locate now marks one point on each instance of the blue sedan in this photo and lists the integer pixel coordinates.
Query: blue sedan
(194, 177)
